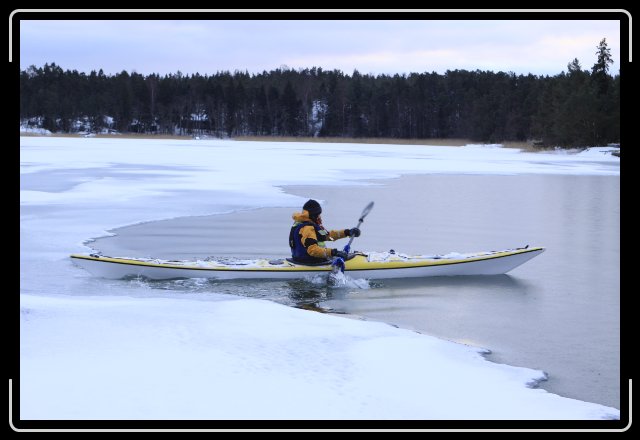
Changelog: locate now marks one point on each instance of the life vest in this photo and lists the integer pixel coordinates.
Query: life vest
(298, 251)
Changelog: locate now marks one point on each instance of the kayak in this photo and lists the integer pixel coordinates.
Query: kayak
(372, 265)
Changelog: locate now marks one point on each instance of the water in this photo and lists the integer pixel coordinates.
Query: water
(559, 312)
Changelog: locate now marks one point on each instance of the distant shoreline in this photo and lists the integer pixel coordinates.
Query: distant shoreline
(453, 142)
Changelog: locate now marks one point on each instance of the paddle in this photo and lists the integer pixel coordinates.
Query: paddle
(338, 261)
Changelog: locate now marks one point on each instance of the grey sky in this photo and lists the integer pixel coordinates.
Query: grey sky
(386, 46)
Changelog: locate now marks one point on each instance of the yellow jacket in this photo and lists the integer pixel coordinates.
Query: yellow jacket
(309, 239)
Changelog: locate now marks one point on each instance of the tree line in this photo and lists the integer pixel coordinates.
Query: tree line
(574, 108)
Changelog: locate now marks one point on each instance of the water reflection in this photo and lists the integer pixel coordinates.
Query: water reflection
(317, 295)
(431, 298)
(503, 282)
(307, 294)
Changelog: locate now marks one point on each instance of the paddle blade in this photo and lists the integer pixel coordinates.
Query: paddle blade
(366, 210)
(337, 265)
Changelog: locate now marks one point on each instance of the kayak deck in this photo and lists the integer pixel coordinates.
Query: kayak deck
(371, 265)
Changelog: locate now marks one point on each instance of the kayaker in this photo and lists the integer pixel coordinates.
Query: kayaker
(308, 236)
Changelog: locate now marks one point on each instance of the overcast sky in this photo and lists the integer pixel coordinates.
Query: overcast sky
(385, 46)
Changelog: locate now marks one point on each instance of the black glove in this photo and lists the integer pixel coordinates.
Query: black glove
(337, 253)
(353, 232)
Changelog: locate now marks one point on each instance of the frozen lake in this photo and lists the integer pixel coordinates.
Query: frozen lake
(89, 345)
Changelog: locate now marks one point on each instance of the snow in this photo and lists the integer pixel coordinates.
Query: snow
(251, 359)
(109, 349)
(201, 116)
(394, 256)
(34, 130)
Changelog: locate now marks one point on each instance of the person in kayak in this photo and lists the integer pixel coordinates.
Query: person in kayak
(308, 236)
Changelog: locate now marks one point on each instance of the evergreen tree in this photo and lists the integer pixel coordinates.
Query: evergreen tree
(291, 111)
(603, 93)
(334, 118)
(600, 69)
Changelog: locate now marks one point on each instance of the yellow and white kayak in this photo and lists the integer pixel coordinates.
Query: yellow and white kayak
(372, 265)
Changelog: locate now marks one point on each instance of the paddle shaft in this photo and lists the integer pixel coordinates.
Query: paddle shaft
(347, 248)
(366, 211)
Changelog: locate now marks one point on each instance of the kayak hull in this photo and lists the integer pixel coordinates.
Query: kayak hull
(360, 266)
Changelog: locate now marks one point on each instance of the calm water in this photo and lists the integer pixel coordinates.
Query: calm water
(559, 313)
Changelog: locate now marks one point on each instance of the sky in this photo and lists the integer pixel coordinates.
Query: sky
(542, 47)
(94, 349)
